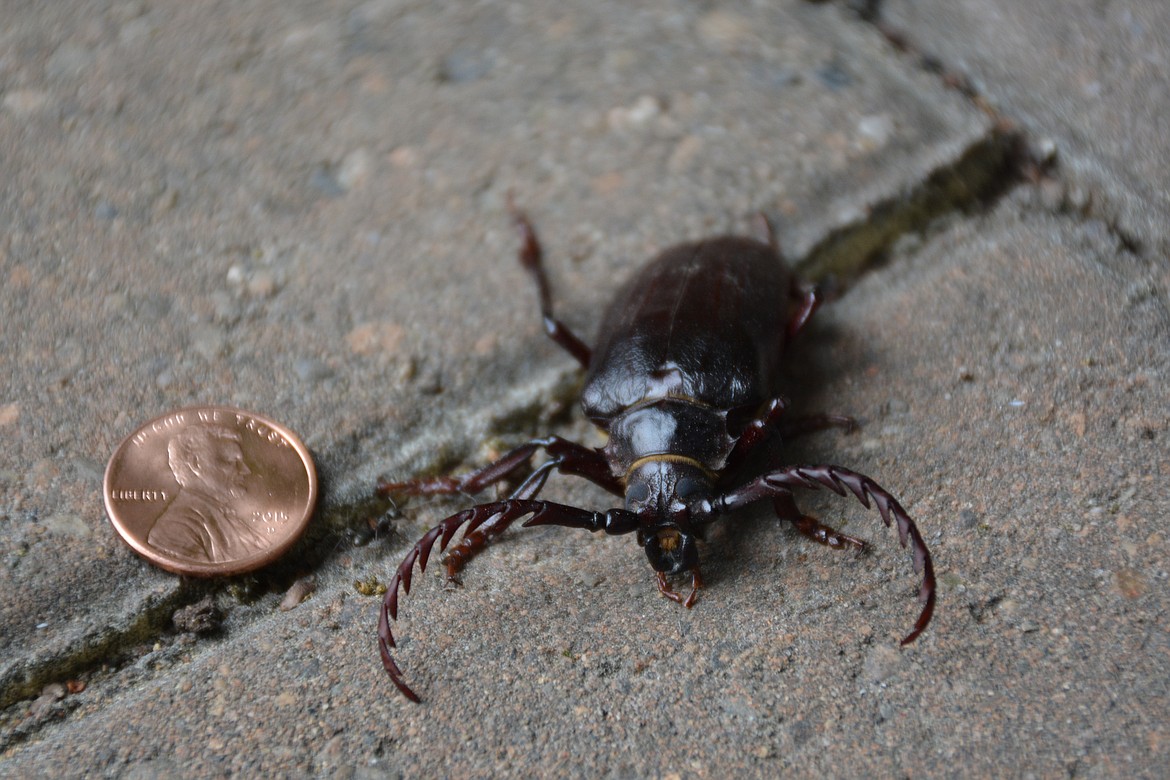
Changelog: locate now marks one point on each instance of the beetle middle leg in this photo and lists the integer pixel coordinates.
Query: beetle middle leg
(570, 458)
(772, 419)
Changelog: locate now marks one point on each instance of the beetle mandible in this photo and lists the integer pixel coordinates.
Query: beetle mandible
(682, 378)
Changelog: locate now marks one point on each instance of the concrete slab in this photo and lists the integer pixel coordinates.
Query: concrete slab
(1093, 79)
(1011, 389)
(304, 216)
(298, 208)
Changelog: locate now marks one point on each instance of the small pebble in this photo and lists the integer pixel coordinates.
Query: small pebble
(300, 590)
(354, 169)
(642, 111)
(311, 370)
(202, 617)
(875, 131)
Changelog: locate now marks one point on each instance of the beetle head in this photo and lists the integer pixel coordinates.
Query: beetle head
(672, 500)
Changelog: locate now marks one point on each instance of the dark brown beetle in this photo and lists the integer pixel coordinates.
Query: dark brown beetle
(683, 380)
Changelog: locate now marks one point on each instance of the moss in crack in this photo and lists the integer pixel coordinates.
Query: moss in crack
(984, 173)
(105, 647)
(543, 412)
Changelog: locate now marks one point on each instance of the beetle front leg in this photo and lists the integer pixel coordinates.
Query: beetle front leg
(500, 513)
(566, 457)
(820, 533)
(472, 543)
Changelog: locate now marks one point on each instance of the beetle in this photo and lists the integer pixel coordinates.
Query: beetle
(682, 378)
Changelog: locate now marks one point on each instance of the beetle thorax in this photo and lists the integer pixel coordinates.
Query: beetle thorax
(670, 429)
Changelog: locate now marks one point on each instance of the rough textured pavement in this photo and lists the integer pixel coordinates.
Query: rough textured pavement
(299, 208)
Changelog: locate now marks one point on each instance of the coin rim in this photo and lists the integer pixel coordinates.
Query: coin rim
(242, 565)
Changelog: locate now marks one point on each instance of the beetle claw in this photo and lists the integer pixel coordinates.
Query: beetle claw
(689, 601)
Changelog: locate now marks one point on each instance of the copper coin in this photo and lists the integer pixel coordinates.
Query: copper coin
(210, 490)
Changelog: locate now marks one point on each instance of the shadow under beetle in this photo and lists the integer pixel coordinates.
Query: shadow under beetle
(682, 378)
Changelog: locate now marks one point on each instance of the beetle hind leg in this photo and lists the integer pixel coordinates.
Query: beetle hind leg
(532, 258)
(808, 300)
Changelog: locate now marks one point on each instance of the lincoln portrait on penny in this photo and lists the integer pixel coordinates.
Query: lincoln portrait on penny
(202, 522)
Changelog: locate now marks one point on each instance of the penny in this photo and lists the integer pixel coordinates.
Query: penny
(210, 490)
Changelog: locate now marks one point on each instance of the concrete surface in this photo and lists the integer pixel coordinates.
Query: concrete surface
(1091, 78)
(298, 208)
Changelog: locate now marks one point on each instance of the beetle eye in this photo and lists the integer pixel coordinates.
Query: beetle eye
(637, 493)
(688, 487)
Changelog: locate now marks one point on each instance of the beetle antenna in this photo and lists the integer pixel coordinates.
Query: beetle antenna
(842, 481)
(500, 515)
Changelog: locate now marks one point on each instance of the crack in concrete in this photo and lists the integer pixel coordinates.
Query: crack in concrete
(108, 647)
(1036, 157)
(986, 172)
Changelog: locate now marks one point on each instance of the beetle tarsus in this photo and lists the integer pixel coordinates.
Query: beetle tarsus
(823, 534)
(794, 427)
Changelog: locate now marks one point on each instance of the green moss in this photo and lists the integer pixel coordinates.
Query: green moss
(982, 174)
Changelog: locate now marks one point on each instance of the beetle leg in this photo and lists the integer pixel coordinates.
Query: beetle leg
(843, 481)
(763, 230)
(501, 514)
(565, 456)
(531, 257)
(755, 432)
(808, 299)
(772, 419)
(471, 543)
(569, 458)
(786, 509)
(689, 601)
(794, 427)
